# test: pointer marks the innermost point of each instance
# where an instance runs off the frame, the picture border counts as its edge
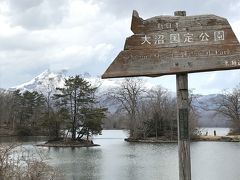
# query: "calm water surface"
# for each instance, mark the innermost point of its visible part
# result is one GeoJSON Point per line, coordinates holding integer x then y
{"type": "Point", "coordinates": [119, 160]}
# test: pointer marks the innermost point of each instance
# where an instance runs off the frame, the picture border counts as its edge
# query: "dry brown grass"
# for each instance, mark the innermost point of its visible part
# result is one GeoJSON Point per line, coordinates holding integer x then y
{"type": "Point", "coordinates": [19, 163]}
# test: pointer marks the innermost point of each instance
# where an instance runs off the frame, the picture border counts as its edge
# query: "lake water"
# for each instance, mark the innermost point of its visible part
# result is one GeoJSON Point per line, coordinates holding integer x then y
{"type": "Point", "coordinates": [116, 159]}
{"type": "Point", "coordinates": [219, 131]}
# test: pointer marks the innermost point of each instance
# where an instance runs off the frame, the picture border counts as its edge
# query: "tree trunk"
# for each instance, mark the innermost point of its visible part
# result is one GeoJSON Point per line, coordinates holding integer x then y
{"type": "Point", "coordinates": [73, 131]}
{"type": "Point", "coordinates": [74, 116]}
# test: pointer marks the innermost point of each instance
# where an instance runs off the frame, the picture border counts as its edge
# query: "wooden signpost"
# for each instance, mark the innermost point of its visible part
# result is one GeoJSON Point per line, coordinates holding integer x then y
{"type": "Point", "coordinates": [178, 45]}
{"type": "Point", "coordinates": [175, 44]}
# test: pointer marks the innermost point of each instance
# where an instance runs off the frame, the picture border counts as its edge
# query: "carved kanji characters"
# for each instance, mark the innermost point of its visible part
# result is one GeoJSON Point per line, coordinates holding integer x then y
{"type": "Point", "coordinates": [146, 39]}
{"type": "Point", "coordinates": [174, 38]}
{"type": "Point", "coordinates": [204, 37]}
{"type": "Point", "coordinates": [218, 35]}
{"type": "Point", "coordinates": [188, 38]}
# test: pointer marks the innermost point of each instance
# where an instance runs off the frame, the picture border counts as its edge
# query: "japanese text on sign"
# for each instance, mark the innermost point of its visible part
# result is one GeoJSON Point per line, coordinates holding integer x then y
{"type": "Point", "coordinates": [158, 39]}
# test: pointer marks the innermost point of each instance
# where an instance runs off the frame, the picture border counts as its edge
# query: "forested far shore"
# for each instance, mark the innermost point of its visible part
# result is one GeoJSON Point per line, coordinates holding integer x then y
{"type": "Point", "coordinates": [81, 110]}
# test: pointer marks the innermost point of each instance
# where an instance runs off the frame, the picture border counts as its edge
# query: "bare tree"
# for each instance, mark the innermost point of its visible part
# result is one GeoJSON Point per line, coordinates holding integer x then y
{"type": "Point", "coordinates": [229, 106]}
{"type": "Point", "coordinates": [158, 113]}
{"type": "Point", "coordinates": [163, 108]}
{"type": "Point", "coordinates": [193, 114]}
{"type": "Point", "coordinates": [128, 96]}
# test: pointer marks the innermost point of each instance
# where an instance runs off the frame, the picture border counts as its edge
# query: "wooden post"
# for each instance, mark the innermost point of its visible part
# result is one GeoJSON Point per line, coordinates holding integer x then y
{"type": "Point", "coordinates": [183, 124]}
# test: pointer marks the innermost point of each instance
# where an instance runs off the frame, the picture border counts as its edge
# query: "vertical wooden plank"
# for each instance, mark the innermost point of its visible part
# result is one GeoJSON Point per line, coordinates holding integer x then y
{"type": "Point", "coordinates": [183, 127]}
{"type": "Point", "coordinates": [183, 124]}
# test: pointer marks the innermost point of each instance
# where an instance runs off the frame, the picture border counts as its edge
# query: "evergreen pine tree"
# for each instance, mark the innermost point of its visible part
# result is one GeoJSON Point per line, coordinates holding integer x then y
{"type": "Point", "coordinates": [78, 98]}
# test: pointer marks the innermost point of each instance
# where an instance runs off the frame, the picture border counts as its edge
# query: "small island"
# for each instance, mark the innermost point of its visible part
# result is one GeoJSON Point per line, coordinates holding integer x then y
{"type": "Point", "coordinates": [68, 142]}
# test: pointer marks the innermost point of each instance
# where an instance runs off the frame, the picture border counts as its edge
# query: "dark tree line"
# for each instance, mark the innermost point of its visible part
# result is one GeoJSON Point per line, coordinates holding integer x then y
{"type": "Point", "coordinates": [76, 109]}
{"type": "Point", "coordinates": [21, 110]}
{"type": "Point", "coordinates": [73, 109]}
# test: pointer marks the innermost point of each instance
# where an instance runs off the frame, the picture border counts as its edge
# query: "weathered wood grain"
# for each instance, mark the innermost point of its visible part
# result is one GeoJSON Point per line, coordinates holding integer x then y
{"type": "Point", "coordinates": [165, 61]}
{"type": "Point", "coordinates": [183, 122]}
{"type": "Point", "coordinates": [178, 45]}
{"type": "Point", "coordinates": [202, 30]}
{"type": "Point", "coordinates": [165, 45]}
{"type": "Point", "coordinates": [183, 127]}
{"type": "Point", "coordinates": [135, 41]}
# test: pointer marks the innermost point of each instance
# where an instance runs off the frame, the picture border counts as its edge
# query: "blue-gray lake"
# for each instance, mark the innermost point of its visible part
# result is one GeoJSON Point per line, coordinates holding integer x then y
{"type": "Point", "coordinates": [116, 159]}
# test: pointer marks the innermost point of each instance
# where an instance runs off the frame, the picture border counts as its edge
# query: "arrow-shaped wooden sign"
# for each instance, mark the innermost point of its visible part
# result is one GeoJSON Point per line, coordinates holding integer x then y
{"type": "Point", "coordinates": [165, 45]}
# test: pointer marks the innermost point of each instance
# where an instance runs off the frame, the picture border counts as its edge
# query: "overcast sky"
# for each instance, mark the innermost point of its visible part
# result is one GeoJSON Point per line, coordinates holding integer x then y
{"type": "Point", "coordinates": [85, 36]}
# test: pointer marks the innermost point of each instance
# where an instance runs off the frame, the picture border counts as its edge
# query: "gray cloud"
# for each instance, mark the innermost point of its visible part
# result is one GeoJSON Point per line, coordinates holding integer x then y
{"type": "Point", "coordinates": [23, 5]}
{"type": "Point", "coordinates": [25, 42]}
{"type": "Point", "coordinates": [151, 8]}
{"type": "Point", "coordinates": [86, 35]}
{"type": "Point", "coordinates": [37, 14]}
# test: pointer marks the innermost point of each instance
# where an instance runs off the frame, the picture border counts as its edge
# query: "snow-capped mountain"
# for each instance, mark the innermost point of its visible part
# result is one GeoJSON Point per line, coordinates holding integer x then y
{"type": "Point", "coordinates": [44, 82]}
{"type": "Point", "coordinates": [49, 80]}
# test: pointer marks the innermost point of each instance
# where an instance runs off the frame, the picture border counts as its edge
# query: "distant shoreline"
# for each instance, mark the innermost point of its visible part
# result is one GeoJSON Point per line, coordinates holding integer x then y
{"type": "Point", "coordinates": [228, 138]}
{"type": "Point", "coordinates": [235, 138]}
